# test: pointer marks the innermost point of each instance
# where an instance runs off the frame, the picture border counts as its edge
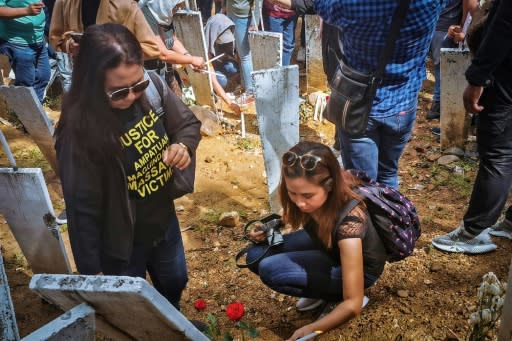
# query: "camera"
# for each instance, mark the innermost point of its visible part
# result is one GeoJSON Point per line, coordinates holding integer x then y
{"type": "Point", "coordinates": [271, 226]}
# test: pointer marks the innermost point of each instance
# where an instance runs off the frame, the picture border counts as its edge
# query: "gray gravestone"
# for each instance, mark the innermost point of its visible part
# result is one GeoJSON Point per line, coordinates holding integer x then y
{"type": "Point", "coordinates": [277, 107]}
{"type": "Point", "coordinates": [23, 101]}
{"type": "Point", "coordinates": [316, 78]}
{"type": "Point", "coordinates": [127, 308]}
{"type": "Point", "coordinates": [454, 125]}
{"type": "Point", "coordinates": [8, 327]}
{"type": "Point", "coordinates": [29, 213]}
{"type": "Point", "coordinates": [266, 49]}
{"type": "Point", "coordinates": [77, 324]}
{"type": "Point", "coordinates": [189, 29]}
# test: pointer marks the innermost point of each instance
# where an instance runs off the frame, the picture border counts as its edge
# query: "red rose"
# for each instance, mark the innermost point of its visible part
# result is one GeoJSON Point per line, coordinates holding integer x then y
{"type": "Point", "coordinates": [200, 304]}
{"type": "Point", "coordinates": [235, 311]}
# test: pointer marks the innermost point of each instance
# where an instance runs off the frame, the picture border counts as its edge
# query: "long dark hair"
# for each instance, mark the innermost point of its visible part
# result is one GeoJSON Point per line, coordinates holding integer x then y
{"type": "Point", "coordinates": [87, 119]}
{"type": "Point", "coordinates": [338, 183]}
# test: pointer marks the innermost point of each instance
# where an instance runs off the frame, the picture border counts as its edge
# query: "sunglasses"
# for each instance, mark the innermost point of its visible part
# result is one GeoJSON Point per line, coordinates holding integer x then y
{"type": "Point", "coordinates": [308, 162]}
{"type": "Point", "coordinates": [122, 93]}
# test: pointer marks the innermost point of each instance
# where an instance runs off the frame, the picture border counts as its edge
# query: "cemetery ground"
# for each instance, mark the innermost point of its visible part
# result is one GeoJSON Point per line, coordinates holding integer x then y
{"type": "Point", "coordinates": [428, 296]}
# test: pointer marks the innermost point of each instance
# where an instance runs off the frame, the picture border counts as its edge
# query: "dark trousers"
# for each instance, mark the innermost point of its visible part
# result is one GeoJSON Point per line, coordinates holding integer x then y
{"type": "Point", "coordinates": [164, 261]}
{"type": "Point", "coordinates": [494, 178]}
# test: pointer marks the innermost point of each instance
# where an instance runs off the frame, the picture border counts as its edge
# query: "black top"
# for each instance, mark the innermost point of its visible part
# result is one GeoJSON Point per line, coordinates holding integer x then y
{"type": "Point", "coordinates": [89, 12]}
{"type": "Point", "coordinates": [144, 139]}
{"type": "Point", "coordinates": [451, 15]}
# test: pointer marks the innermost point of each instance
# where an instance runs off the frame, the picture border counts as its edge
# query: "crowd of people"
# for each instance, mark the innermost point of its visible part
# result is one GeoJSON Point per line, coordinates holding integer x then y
{"type": "Point", "coordinates": [124, 133]}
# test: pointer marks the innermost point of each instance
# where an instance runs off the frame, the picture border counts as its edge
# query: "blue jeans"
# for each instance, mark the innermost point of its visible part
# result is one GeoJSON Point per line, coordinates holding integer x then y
{"type": "Point", "coordinates": [439, 40]}
{"type": "Point", "coordinates": [377, 151]}
{"type": "Point", "coordinates": [64, 69]}
{"type": "Point", "coordinates": [243, 49]}
{"type": "Point", "coordinates": [225, 70]}
{"type": "Point", "coordinates": [286, 26]}
{"type": "Point", "coordinates": [30, 64]}
{"type": "Point", "coordinates": [165, 263]}
{"type": "Point", "coordinates": [300, 267]}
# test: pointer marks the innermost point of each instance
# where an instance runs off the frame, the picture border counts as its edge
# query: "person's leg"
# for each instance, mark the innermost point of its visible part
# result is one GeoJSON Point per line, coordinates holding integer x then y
{"type": "Point", "coordinates": [296, 241]}
{"type": "Point", "coordinates": [361, 152]}
{"type": "Point", "coordinates": [494, 178]}
{"type": "Point", "coordinates": [288, 29]}
{"type": "Point", "coordinates": [394, 133]}
{"type": "Point", "coordinates": [166, 264]}
{"type": "Point", "coordinates": [205, 7]}
{"type": "Point", "coordinates": [64, 69]}
{"type": "Point", "coordinates": [23, 64]}
{"type": "Point", "coordinates": [243, 49]}
{"type": "Point", "coordinates": [42, 70]}
{"type": "Point", "coordinates": [310, 273]}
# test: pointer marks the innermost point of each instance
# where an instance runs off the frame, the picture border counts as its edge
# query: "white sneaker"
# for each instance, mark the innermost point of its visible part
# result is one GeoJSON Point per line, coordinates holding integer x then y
{"type": "Point", "coordinates": [502, 229]}
{"type": "Point", "coordinates": [460, 240]}
{"type": "Point", "coordinates": [306, 304]}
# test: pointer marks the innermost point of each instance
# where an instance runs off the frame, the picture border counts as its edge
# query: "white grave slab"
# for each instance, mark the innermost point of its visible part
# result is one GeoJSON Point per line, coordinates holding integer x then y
{"type": "Point", "coordinates": [127, 308]}
{"type": "Point", "coordinates": [266, 49]}
{"type": "Point", "coordinates": [316, 78]}
{"type": "Point", "coordinates": [189, 29]}
{"type": "Point", "coordinates": [277, 107]}
{"type": "Point", "coordinates": [23, 101]}
{"type": "Point", "coordinates": [29, 213]}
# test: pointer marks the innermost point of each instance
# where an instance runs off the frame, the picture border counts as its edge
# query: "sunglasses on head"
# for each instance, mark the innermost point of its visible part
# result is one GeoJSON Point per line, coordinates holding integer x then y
{"type": "Point", "coordinates": [308, 162]}
{"type": "Point", "coordinates": [121, 94]}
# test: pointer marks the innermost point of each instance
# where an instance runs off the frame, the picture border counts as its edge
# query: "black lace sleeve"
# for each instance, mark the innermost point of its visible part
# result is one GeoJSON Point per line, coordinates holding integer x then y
{"type": "Point", "coordinates": [353, 226]}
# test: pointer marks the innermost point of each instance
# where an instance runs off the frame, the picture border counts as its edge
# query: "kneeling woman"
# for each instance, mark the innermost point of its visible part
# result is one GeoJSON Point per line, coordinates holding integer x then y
{"type": "Point", "coordinates": [117, 156]}
{"type": "Point", "coordinates": [314, 262]}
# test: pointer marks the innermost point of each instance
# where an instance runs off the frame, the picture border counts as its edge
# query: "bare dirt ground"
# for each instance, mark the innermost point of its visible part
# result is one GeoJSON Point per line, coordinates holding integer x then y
{"type": "Point", "coordinates": [428, 296]}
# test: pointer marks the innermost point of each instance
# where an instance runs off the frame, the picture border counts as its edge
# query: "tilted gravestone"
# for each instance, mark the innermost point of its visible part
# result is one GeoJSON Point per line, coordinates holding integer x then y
{"type": "Point", "coordinates": [29, 213]}
{"type": "Point", "coordinates": [127, 308]}
{"type": "Point", "coordinates": [277, 106]}
{"type": "Point", "coordinates": [266, 49]}
{"type": "Point", "coordinates": [189, 29]}
{"type": "Point", "coordinates": [316, 78]}
{"type": "Point", "coordinates": [8, 326]}
{"type": "Point", "coordinates": [23, 101]}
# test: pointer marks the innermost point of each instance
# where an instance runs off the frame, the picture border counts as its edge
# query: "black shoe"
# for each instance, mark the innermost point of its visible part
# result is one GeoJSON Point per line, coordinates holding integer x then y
{"type": "Point", "coordinates": [436, 131]}
{"type": "Point", "coordinates": [435, 111]}
{"type": "Point", "coordinates": [201, 326]}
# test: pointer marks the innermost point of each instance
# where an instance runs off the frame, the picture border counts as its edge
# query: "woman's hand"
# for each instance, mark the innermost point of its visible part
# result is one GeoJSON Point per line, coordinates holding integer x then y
{"type": "Point", "coordinates": [471, 96]}
{"type": "Point", "coordinates": [235, 107]}
{"type": "Point", "coordinates": [455, 33]}
{"type": "Point", "coordinates": [197, 62]}
{"type": "Point", "coordinates": [301, 332]}
{"type": "Point", "coordinates": [176, 155]}
{"type": "Point", "coordinates": [257, 233]}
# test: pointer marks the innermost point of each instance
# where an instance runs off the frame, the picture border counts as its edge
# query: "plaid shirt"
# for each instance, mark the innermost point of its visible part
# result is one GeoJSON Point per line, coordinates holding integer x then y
{"type": "Point", "coordinates": [365, 25]}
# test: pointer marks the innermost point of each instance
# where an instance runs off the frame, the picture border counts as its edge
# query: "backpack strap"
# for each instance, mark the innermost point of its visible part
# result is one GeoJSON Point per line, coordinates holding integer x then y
{"type": "Point", "coordinates": [343, 214]}
{"type": "Point", "coordinates": [154, 93]}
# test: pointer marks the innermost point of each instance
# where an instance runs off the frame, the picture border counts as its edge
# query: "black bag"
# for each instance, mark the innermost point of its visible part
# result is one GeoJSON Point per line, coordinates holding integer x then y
{"type": "Point", "coordinates": [182, 180]}
{"type": "Point", "coordinates": [353, 92]}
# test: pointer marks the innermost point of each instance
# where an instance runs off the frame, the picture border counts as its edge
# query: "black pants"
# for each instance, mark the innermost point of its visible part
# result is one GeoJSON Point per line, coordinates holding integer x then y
{"type": "Point", "coordinates": [494, 178]}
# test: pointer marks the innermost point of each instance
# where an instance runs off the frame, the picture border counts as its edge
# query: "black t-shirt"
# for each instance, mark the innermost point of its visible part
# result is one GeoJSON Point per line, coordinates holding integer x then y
{"type": "Point", "coordinates": [451, 15]}
{"type": "Point", "coordinates": [144, 139]}
{"type": "Point", "coordinates": [90, 12]}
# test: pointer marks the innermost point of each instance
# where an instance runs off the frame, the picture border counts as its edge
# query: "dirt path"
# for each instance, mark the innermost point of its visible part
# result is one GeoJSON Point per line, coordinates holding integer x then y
{"type": "Point", "coordinates": [437, 290]}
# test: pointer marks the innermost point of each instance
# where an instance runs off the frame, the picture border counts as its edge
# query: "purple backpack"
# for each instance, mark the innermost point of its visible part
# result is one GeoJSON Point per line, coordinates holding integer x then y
{"type": "Point", "coordinates": [393, 215]}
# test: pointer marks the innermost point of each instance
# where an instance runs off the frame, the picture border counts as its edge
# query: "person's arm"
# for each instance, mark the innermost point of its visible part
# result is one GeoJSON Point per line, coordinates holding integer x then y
{"type": "Point", "coordinates": [178, 54]}
{"type": "Point", "coordinates": [140, 28]}
{"type": "Point", "coordinates": [351, 254]}
{"type": "Point", "coordinates": [219, 90]}
{"type": "Point", "coordinates": [299, 6]}
{"type": "Point", "coordinates": [495, 47]}
{"type": "Point", "coordinates": [7, 12]}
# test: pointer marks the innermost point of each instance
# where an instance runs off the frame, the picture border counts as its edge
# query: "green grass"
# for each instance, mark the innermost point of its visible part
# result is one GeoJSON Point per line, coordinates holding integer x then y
{"type": "Point", "coordinates": [32, 158]}
{"type": "Point", "coordinates": [247, 144]}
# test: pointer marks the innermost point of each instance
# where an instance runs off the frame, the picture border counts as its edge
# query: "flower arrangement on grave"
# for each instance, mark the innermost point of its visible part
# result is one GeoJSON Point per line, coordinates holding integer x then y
{"type": "Point", "coordinates": [235, 312]}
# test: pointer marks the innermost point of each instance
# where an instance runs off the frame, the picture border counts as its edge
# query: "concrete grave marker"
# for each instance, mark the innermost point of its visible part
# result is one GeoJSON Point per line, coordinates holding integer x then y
{"type": "Point", "coordinates": [454, 125]}
{"type": "Point", "coordinates": [127, 308]}
{"type": "Point", "coordinates": [29, 213]}
{"type": "Point", "coordinates": [315, 76]}
{"type": "Point", "coordinates": [23, 101]}
{"type": "Point", "coordinates": [277, 107]}
{"type": "Point", "coordinates": [266, 49]}
{"type": "Point", "coordinates": [8, 326]}
{"type": "Point", "coordinates": [77, 324]}
{"type": "Point", "coordinates": [189, 29]}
